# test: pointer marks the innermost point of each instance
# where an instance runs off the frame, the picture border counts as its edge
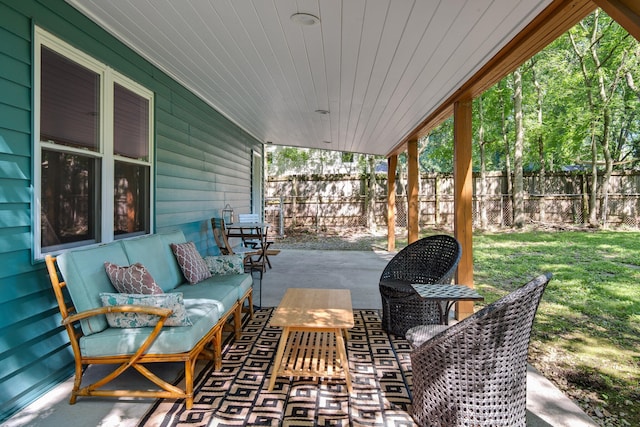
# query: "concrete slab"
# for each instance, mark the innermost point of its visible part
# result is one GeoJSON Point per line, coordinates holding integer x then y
{"type": "Point", "coordinates": [358, 271]}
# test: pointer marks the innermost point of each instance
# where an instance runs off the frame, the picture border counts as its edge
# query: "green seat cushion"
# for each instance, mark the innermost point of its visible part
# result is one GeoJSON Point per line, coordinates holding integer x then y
{"type": "Point", "coordinates": [204, 314]}
{"type": "Point", "coordinates": [241, 282]}
{"type": "Point", "coordinates": [219, 288]}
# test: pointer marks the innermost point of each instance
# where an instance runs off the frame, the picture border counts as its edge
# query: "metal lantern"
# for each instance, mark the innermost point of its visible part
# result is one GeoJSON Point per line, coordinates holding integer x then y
{"type": "Point", "coordinates": [227, 214]}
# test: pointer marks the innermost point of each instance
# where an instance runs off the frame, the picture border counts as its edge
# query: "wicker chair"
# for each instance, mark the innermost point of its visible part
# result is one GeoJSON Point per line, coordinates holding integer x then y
{"type": "Point", "coordinates": [429, 260]}
{"type": "Point", "coordinates": [474, 373]}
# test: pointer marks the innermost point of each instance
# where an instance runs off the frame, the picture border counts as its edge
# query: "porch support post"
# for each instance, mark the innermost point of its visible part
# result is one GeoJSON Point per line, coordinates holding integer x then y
{"type": "Point", "coordinates": [412, 191]}
{"type": "Point", "coordinates": [625, 12]}
{"type": "Point", "coordinates": [391, 202]}
{"type": "Point", "coordinates": [463, 192]}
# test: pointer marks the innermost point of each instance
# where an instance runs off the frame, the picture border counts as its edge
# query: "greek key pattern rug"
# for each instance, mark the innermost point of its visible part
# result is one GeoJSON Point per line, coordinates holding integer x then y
{"type": "Point", "coordinates": [237, 394]}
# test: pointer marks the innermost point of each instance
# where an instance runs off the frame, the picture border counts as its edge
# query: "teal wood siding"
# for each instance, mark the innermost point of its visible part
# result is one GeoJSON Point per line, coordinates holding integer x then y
{"type": "Point", "coordinates": [202, 162]}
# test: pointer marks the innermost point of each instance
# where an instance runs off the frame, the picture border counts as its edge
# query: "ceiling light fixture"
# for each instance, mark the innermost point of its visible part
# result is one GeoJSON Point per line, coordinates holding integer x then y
{"type": "Point", "coordinates": [305, 19]}
{"type": "Point", "coordinates": [323, 112]}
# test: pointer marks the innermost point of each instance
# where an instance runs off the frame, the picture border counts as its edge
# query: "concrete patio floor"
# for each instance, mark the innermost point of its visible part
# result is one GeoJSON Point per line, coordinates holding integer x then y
{"type": "Point", "coordinates": [354, 270]}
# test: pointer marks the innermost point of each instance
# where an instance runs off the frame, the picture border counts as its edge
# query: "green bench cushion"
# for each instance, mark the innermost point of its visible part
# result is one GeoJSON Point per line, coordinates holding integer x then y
{"type": "Point", "coordinates": [155, 254]}
{"type": "Point", "coordinates": [85, 276]}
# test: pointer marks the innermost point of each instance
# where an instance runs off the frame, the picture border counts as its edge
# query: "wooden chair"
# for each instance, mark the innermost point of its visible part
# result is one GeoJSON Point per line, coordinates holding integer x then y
{"type": "Point", "coordinates": [255, 237]}
{"type": "Point", "coordinates": [251, 237]}
{"type": "Point", "coordinates": [253, 258]}
{"type": "Point", "coordinates": [474, 373]}
{"type": "Point", "coordinates": [248, 217]}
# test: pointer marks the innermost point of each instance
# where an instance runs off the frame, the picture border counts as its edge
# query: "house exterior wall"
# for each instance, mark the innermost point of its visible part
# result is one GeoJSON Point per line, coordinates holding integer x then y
{"type": "Point", "coordinates": [202, 162]}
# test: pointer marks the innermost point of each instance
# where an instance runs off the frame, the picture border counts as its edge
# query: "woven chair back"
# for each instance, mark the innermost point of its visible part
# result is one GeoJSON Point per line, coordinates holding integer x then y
{"type": "Point", "coordinates": [480, 362]}
{"type": "Point", "coordinates": [432, 259]}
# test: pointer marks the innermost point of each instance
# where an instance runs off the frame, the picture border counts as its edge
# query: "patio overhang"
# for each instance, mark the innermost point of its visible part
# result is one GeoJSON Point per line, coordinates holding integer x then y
{"type": "Point", "coordinates": [368, 77]}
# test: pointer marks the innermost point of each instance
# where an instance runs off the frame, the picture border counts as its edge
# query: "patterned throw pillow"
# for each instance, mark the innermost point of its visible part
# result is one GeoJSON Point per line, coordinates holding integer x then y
{"type": "Point", "coordinates": [192, 264]}
{"type": "Point", "coordinates": [174, 301]}
{"type": "Point", "coordinates": [134, 279]}
{"type": "Point", "coordinates": [225, 264]}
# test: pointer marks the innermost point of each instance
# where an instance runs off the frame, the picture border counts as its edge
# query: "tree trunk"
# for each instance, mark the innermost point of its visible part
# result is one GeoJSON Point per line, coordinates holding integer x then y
{"type": "Point", "coordinates": [484, 223]}
{"type": "Point", "coordinates": [542, 181]}
{"type": "Point", "coordinates": [507, 148]}
{"type": "Point", "coordinates": [605, 98]}
{"type": "Point", "coordinates": [371, 198]}
{"type": "Point", "coordinates": [600, 113]}
{"type": "Point", "coordinates": [518, 181]}
{"type": "Point", "coordinates": [593, 195]}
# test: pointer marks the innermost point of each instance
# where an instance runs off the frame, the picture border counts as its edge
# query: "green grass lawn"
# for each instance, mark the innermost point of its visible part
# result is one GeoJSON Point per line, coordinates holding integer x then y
{"type": "Point", "coordinates": [586, 336]}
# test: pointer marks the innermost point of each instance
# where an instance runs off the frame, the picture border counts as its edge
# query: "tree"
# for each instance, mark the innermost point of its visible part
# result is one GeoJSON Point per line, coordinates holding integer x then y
{"type": "Point", "coordinates": [483, 168]}
{"type": "Point", "coordinates": [436, 149]}
{"type": "Point", "coordinates": [600, 48]}
{"type": "Point", "coordinates": [371, 194]}
{"type": "Point", "coordinates": [518, 178]}
{"type": "Point", "coordinates": [283, 159]}
{"type": "Point", "coordinates": [504, 132]}
{"type": "Point", "coordinates": [540, 140]}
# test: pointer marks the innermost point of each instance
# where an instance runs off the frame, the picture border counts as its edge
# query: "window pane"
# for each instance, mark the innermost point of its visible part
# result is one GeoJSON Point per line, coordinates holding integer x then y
{"type": "Point", "coordinates": [130, 124]}
{"type": "Point", "coordinates": [131, 200]}
{"type": "Point", "coordinates": [69, 102]}
{"type": "Point", "coordinates": [68, 199]}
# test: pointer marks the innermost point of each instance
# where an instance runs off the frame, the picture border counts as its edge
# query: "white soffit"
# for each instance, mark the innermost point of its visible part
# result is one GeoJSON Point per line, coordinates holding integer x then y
{"type": "Point", "coordinates": [379, 67]}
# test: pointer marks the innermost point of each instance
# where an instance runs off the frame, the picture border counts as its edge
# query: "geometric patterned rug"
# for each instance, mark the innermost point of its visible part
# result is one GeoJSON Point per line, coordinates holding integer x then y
{"type": "Point", "coordinates": [237, 394]}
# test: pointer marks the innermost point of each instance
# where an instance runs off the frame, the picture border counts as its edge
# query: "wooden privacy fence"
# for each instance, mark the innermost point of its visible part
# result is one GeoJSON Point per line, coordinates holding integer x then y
{"type": "Point", "coordinates": [336, 201]}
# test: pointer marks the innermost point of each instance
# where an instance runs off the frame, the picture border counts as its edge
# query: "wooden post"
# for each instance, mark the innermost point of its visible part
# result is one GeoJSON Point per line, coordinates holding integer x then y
{"type": "Point", "coordinates": [391, 202]}
{"type": "Point", "coordinates": [625, 12]}
{"type": "Point", "coordinates": [412, 191]}
{"type": "Point", "coordinates": [463, 192]}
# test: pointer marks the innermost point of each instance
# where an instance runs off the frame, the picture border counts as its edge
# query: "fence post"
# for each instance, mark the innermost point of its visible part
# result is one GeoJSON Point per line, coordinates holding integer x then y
{"type": "Point", "coordinates": [585, 197]}
{"type": "Point", "coordinates": [281, 225]}
{"type": "Point", "coordinates": [294, 202]}
{"type": "Point", "coordinates": [436, 200]}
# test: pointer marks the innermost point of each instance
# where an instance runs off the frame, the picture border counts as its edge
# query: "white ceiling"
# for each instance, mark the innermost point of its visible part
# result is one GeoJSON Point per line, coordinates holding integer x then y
{"type": "Point", "coordinates": [378, 66]}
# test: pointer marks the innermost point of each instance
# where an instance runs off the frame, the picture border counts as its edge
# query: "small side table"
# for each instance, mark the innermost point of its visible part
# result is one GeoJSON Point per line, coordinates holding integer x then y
{"type": "Point", "coordinates": [447, 296]}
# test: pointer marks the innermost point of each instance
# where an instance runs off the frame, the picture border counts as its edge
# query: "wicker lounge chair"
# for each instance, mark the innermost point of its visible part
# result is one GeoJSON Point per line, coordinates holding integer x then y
{"type": "Point", "coordinates": [429, 260]}
{"type": "Point", "coordinates": [474, 373]}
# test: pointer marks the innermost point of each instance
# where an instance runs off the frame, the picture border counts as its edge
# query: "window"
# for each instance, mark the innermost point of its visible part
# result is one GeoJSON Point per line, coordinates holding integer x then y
{"type": "Point", "coordinates": [93, 151]}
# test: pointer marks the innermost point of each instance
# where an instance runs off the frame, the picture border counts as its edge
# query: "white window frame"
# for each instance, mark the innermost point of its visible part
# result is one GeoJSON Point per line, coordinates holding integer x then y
{"type": "Point", "coordinates": [105, 154]}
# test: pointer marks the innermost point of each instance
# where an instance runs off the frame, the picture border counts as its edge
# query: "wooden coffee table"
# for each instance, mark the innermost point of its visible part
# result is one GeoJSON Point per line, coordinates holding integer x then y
{"type": "Point", "coordinates": [313, 322]}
